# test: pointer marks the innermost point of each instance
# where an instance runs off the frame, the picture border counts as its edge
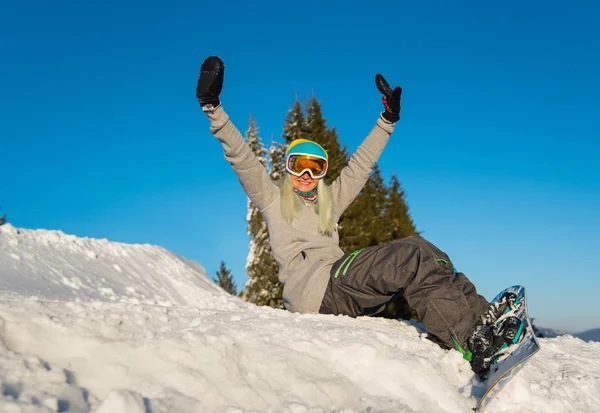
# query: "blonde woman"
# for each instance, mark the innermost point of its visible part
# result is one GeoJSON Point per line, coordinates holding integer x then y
{"type": "Point", "coordinates": [302, 213]}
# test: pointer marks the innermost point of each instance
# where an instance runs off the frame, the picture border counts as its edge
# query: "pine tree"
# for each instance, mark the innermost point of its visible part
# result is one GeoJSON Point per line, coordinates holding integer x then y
{"type": "Point", "coordinates": [363, 224]}
{"type": "Point", "coordinates": [263, 286]}
{"type": "Point", "coordinates": [254, 217]}
{"type": "Point", "coordinates": [255, 142]}
{"type": "Point", "coordinates": [317, 130]}
{"type": "Point", "coordinates": [225, 280]}
{"type": "Point", "coordinates": [396, 216]}
{"type": "Point", "coordinates": [295, 123]}
{"type": "Point", "coordinates": [277, 156]}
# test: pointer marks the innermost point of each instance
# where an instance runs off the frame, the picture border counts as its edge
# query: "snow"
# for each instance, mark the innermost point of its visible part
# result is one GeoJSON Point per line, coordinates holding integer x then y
{"type": "Point", "coordinates": [90, 325]}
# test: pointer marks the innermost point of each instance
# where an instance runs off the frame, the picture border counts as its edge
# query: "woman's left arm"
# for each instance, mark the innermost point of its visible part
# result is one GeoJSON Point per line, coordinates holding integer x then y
{"type": "Point", "coordinates": [354, 176]}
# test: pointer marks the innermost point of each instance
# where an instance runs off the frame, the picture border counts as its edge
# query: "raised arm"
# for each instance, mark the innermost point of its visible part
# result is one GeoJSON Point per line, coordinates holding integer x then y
{"type": "Point", "coordinates": [257, 184]}
{"type": "Point", "coordinates": [354, 175]}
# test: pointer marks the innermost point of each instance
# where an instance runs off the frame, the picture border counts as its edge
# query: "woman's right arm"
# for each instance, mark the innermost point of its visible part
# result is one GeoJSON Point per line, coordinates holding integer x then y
{"type": "Point", "coordinates": [257, 184]}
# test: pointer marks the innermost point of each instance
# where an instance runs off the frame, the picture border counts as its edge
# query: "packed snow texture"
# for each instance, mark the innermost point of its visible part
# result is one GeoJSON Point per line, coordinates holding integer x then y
{"type": "Point", "coordinates": [90, 325]}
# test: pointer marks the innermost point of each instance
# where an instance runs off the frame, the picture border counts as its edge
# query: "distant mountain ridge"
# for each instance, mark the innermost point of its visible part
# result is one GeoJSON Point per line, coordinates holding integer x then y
{"type": "Point", "coordinates": [548, 332]}
{"type": "Point", "coordinates": [589, 335]}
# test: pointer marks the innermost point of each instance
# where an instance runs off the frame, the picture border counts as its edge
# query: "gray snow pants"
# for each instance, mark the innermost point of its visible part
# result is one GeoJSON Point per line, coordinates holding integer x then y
{"type": "Point", "coordinates": [363, 282]}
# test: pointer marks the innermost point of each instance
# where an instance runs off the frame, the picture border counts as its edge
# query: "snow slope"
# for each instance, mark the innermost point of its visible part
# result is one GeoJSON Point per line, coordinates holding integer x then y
{"type": "Point", "coordinates": [90, 325]}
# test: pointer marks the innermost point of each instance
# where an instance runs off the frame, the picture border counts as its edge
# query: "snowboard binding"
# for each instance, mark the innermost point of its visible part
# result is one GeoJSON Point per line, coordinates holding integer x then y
{"type": "Point", "coordinates": [500, 329]}
{"type": "Point", "coordinates": [503, 307]}
{"type": "Point", "coordinates": [508, 332]}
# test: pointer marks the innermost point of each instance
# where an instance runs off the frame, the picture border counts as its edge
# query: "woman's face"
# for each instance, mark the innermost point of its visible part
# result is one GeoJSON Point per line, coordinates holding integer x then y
{"type": "Point", "coordinates": [304, 183]}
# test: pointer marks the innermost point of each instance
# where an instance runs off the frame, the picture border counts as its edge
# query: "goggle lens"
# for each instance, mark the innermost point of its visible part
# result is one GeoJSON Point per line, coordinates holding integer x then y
{"type": "Point", "coordinates": [299, 164]}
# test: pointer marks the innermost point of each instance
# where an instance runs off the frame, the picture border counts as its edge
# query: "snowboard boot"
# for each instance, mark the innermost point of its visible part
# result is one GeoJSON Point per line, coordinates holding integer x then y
{"type": "Point", "coordinates": [488, 342]}
{"type": "Point", "coordinates": [497, 309]}
{"type": "Point", "coordinates": [480, 343]}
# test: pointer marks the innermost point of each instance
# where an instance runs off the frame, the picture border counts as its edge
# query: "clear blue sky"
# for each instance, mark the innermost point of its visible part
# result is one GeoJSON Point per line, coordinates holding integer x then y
{"type": "Point", "coordinates": [497, 149]}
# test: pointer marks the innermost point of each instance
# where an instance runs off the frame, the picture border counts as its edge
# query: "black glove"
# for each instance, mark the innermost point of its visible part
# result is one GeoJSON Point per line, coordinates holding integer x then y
{"type": "Point", "coordinates": [210, 82]}
{"type": "Point", "coordinates": [390, 99]}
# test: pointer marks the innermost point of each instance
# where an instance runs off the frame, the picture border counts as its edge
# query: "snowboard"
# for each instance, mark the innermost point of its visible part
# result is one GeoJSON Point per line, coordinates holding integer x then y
{"type": "Point", "coordinates": [511, 357]}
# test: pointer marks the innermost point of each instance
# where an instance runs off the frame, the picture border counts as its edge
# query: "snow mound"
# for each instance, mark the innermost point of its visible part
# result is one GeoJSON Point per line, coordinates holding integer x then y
{"type": "Point", "coordinates": [95, 326]}
{"type": "Point", "coordinates": [57, 266]}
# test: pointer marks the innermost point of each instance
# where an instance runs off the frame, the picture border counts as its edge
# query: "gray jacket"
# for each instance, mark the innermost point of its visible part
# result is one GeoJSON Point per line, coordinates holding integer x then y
{"type": "Point", "coordinates": [305, 257]}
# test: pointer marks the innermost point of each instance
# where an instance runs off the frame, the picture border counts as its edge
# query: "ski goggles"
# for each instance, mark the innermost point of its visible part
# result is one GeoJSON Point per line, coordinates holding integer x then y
{"type": "Point", "coordinates": [299, 164]}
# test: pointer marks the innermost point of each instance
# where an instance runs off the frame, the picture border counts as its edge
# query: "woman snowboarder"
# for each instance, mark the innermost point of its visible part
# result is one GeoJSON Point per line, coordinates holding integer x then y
{"type": "Point", "coordinates": [302, 213]}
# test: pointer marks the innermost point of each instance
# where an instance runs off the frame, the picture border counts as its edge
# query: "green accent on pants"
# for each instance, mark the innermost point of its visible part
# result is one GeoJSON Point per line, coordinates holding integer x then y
{"type": "Point", "coordinates": [347, 263]}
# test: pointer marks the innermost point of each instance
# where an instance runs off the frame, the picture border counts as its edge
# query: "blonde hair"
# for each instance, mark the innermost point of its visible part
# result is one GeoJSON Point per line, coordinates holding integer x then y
{"type": "Point", "coordinates": [291, 205]}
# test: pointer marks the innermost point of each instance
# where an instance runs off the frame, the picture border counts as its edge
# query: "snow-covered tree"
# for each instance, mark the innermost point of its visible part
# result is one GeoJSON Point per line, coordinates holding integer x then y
{"type": "Point", "coordinates": [263, 286]}
{"type": "Point", "coordinates": [277, 157]}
